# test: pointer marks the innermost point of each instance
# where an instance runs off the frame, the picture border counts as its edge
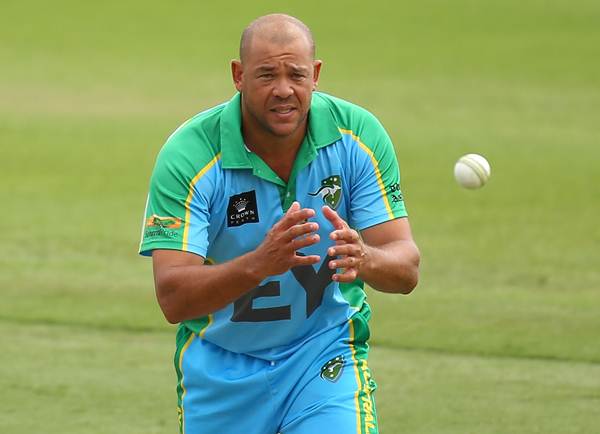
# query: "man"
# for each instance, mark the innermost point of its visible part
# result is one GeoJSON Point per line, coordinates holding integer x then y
{"type": "Point", "coordinates": [265, 216]}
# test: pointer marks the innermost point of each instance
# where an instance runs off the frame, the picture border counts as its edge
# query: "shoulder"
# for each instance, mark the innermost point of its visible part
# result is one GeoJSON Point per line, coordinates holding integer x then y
{"type": "Point", "coordinates": [194, 144]}
{"type": "Point", "coordinates": [199, 134]}
{"type": "Point", "coordinates": [362, 133]}
{"type": "Point", "coordinates": [348, 116]}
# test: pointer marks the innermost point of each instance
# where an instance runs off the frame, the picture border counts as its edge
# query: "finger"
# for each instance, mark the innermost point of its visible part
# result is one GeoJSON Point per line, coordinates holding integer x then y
{"type": "Point", "coordinates": [295, 206]}
{"type": "Point", "coordinates": [349, 275]}
{"type": "Point", "coordinates": [345, 263]}
{"type": "Point", "coordinates": [299, 230]}
{"type": "Point", "coordinates": [283, 221]}
{"type": "Point", "coordinates": [334, 218]}
{"type": "Point", "coordinates": [348, 235]}
{"type": "Point", "coordinates": [300, 243]}
{"type": "Point", "coordinates": [344, 249]}
{"type": "Point", "coordinates": [305, 260]}
{"type": "Point", "coordinates": [294, 217]}
{"type": "Point", "coordinates": [301, 215]}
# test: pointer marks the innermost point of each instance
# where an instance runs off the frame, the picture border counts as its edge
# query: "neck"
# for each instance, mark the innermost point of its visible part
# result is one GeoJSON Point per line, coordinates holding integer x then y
{"type": "Point", "coordinates": [265, 144]}
{"type": "Point", "coordinates": [279, 155]}
{"type": "Point", "coordinates": [278, 152]}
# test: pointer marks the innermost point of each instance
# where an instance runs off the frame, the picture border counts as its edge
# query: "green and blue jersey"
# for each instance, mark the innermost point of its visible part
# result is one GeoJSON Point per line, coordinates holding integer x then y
{"type": "Point", "coordinates": [211, 196]}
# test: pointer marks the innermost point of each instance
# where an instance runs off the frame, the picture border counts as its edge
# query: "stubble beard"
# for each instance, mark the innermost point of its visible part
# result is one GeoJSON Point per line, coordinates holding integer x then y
{"type": "Point", "coordinates": [265, 126]}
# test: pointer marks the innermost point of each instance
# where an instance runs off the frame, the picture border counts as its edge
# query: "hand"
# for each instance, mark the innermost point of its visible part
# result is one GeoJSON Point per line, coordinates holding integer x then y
{"type": "Point", "coordinates": [349, 248]}
{"type": "Point", "coordinates": [277, 252]}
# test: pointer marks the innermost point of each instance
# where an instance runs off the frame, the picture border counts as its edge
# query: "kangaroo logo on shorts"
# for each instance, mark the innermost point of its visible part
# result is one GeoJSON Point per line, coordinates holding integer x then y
{"type": "Point", "coordinates": [332, 369]}
{"type": "Point", "coordinates": [330, 191]}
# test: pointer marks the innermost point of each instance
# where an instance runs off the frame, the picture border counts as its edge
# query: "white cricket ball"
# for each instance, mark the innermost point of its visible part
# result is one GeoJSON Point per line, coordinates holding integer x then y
{"type": "Point", "coordinates": [472, 171]}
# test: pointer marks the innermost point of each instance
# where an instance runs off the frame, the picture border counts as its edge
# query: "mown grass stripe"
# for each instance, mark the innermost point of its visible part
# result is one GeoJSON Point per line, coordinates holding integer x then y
{"type": "Point", "coordinates": [135, 329]}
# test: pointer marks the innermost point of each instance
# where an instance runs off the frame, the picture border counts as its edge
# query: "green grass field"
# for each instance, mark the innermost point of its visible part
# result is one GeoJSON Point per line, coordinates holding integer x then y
{"type": "Point", "coordinates": [501, 336]}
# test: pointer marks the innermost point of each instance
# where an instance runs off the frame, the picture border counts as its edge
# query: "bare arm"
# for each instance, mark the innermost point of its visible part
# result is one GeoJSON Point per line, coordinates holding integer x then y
{"type": "Point", "coordinates": [386, 257]}
{"type": "Point", "coordinates": [186, 288]}
{"type": "Point", "coordinates": [392, 257]}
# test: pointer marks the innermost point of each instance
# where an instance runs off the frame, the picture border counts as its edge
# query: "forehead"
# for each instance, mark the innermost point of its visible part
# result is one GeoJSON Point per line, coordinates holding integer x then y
{"type": "Point", "coordinates": [264, 50]}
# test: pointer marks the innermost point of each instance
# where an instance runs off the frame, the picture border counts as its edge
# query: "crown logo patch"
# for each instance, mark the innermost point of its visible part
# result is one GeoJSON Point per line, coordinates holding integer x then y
{"type": "Point", "coordinates": [242, 209]}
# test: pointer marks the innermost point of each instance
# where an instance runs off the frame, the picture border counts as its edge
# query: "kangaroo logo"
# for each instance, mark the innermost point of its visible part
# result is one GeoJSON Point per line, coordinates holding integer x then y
{"type": "Point", "coordinates": [332, 369]}
{"type": "Point", "coordinates": [330, 191]}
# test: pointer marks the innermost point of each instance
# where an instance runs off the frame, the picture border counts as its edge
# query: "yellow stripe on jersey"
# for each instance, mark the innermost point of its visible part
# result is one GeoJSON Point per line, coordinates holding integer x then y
{"type": "Point", "coordinates": [375, 167]}
{"type": "Point", "coordinates": [203, 331]}
{"type": "Point", "coordinates": [188, 210]}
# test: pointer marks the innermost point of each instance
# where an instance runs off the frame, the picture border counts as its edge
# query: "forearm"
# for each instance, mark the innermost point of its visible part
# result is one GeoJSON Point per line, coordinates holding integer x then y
{"type": "Point", "coordinates": [191, 291]}
{"type": "Point", "coordinates": [392, 267]}
{"type": "Point", "coordinates": [186, 288]}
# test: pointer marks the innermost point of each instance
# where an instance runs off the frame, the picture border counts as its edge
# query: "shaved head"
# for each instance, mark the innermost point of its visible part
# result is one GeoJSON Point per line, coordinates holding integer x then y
{"type": "Point", "coordinates": [276, 75]}
{"type": "Point", "coordinates": [279, 29]}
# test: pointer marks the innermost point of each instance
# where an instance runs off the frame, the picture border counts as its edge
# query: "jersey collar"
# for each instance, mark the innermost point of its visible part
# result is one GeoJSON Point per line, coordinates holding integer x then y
{"type": "Point", "coordinates": [322, 131]}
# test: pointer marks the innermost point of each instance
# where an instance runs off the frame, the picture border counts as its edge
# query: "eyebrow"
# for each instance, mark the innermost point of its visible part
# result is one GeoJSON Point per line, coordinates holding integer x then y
{"type": "Point", "coordinates": [265, 68]}
{"type": "Point", "coordinates": [302, 69]}
{"type": "Point", "coordinates": [270, 68]}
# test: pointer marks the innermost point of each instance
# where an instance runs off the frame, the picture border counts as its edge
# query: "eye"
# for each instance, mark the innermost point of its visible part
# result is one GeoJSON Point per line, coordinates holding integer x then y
{"type": "Point", "coordinates": [298, 76]}
{"type": "Point", "coordinates": [266, 76]}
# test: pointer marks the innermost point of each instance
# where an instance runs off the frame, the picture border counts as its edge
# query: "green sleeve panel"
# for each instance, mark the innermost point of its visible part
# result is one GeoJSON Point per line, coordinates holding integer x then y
{"type": "Point", "coordinates": [374, 138]}
{"type": "Point", "coordinates": [180, 163]}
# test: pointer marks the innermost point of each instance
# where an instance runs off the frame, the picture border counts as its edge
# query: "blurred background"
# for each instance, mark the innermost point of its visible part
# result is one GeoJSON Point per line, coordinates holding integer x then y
{"type": "Point", "coordinates": [501, 336]}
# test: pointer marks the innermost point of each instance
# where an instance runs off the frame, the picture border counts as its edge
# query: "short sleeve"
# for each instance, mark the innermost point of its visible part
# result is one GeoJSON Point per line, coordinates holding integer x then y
{"type": "Point", "coordinates": [177, 211]}
{"type": "Point", "coordinates": [375, 193]}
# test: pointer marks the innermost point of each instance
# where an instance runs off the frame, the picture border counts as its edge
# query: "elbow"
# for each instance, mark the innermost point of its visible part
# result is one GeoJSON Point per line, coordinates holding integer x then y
{"type": "Point", "coordinates": [172, 317]}
{"type": "Point", "coordinates": [409, 283]}
{"type": "Point", "coordinates": [401, 284]}
{"type": "Point", "coordinates": [176, 301]}
{"type": "Point", "coordinates": [167, 297]}
{"type": "Point", "coordinates": [409, 278]}
{"type": "Point", "coordinates": [407, 271]}
{"type": "Point", "coordinates": [401, 279]}
{"type": "Point", "coordinates": [169, 309]}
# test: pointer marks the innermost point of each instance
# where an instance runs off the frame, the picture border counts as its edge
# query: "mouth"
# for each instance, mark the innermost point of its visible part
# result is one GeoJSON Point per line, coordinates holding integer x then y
{"type": "Point", "coordinates": [283, 110]}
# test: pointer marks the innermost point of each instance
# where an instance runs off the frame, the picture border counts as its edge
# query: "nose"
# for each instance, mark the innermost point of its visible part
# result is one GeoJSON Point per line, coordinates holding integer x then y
{"type": "Point", "coordinates": [282, 88]}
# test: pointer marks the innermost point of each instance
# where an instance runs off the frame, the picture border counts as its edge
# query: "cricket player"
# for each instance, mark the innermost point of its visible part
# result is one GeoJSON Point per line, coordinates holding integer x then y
{"type": "Point", "coordinates": [265, 218]}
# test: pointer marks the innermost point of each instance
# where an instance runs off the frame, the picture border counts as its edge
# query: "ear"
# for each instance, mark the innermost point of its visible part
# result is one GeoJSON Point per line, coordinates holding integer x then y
{"type": "Point", "coordinates": [316, 72]}
{"type": "Point", "coordinates": [237, 72]}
